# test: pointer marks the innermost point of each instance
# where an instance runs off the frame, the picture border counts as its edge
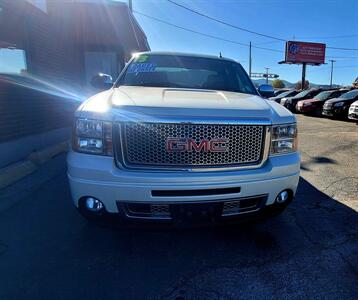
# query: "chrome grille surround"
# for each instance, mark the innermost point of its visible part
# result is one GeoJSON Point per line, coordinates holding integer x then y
{"type": "Point", "coordinates": [142, 145]}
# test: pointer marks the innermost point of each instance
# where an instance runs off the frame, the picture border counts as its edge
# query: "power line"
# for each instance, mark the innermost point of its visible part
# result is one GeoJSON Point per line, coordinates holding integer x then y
{"type": "Point", "coordinates": [245, 29]}
{"type": "Point", "coordinates": [225, 23]}
{"type": "Point", "coordinates": [329, 37]}
{"type": "Point", "coordinates": [339, 48]}
{"type": "Point", "coordinates": [346, 67]}
{"type": "Point", "coordinates": [219, 38]}
{"type": "Point", "coordinates": [204, 34]}
{"type": "Point", "coordinates": [353, 57]}
{"type": "Point", "coordinates": [190, 30]}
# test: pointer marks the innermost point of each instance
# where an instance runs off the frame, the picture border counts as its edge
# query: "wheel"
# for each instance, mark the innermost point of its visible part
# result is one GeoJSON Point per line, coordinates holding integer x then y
{"type": "Point", "coordinates": [318, 111]}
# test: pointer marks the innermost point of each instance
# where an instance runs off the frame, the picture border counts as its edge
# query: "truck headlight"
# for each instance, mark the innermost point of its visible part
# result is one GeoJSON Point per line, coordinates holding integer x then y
{"type": "Point", "coordinates": [92, 136]}
{"type": "Point", "coordinates": [284, 139]}
{"type": "Point", "coordinates": [91, 128]}
{"type": "Point", "coordinates": [339, 104]}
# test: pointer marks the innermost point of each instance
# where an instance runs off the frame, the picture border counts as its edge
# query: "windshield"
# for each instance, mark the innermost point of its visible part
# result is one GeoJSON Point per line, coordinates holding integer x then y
{"type": "Point", "coordinates": [350, 95]}
{"type": "Point", "coordinates": [302, 94]}
{"type": "Point", "coordinates": [323, 95]}
{"type": "Point", "coordinates": [284, 94]}
{"type": "Point", "coordinates": [176, 71]}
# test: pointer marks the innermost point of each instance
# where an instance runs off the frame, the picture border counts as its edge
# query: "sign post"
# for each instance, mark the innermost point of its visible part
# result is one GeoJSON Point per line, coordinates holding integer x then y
{"type": "Point", "coordinates": [303, 78]}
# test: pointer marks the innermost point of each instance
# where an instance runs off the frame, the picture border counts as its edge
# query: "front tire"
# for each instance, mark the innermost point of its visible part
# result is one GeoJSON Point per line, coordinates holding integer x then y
{"type": "Point", "coordinates": [318, 112]}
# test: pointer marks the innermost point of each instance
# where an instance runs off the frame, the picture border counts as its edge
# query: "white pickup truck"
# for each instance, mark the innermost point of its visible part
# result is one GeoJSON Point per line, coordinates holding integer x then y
{"type": "Point", "coordinates": [182, 137]}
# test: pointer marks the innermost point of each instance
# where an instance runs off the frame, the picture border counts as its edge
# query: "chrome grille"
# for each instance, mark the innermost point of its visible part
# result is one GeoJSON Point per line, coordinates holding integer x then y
{"type": "Point", "coordinates": [231, 207]}
{"type": "Point", "coordinates": [243, 205]}
{"type": "Point", "coordinates": [144, 144]}
{"type": "Point", "coordinates": [160, 209]}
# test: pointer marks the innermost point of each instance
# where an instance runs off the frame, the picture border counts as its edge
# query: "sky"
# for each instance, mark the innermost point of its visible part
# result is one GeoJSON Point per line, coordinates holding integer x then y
{"type": "Point", "coordinates": [12, 61]}
{"type": "Point", "coordinates": [334, 22]}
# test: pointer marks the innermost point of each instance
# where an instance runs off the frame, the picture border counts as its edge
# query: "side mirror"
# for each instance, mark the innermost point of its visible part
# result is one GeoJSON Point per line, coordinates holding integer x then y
{"type": "Point", "coordinates": [102, 81]}
{"type": "Point", "coordinates": [266, 90]}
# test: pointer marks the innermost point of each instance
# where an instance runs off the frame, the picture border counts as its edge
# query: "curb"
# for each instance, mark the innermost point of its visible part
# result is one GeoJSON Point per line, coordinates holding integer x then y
{"type": "Point", "coordinates": [19, 170]}
{"type": "Point", "coordinates": [42, 156]}
{"type": "Point", "coordinates": [15, 172]}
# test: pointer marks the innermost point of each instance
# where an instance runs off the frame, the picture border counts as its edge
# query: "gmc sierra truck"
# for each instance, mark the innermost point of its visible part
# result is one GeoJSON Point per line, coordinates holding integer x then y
{"type": "Point", "coordinates": [182, 137]}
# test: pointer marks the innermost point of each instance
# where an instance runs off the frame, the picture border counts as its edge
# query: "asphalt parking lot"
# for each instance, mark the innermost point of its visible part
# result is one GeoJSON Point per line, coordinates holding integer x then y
{"type": "Point", "coordinates": [48, 251]}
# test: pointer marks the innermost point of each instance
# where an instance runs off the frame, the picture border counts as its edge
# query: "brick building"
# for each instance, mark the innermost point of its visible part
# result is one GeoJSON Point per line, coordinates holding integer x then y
{"type": "Point", "coordinates": [49, 52]}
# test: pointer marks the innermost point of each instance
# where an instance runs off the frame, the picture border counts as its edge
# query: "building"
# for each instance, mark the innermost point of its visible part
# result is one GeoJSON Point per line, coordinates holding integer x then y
{"type": "Point", "coordinates": [49, 52]}
{"type": "Point", "coordinates": [355, 83]}
{"type": "Point", "coordinates": [70, 41]}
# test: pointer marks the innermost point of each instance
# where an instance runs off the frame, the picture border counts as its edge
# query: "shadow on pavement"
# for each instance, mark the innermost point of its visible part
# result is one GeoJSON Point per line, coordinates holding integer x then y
{"type": "Point", "coordinates": [50, 251]}
{"type": "Point", "coordinates": [316, 160]}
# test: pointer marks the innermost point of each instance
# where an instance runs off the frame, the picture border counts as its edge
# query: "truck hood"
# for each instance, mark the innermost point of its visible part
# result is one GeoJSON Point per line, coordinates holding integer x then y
{"type": "Point", "coordinates": [186, 98]}
{"type": "Point", "coordinates": [141, 102]}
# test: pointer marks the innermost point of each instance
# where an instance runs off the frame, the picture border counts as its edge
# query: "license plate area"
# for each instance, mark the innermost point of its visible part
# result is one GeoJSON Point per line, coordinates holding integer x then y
{"type": "Point", "coordinates": [197, 211]}
{"type": "Point", "coordinates": [193, 211]}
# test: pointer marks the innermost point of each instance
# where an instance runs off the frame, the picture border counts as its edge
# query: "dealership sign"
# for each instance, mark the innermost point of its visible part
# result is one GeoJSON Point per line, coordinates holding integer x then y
{"type": "Point", "coordinates": [302, 52]}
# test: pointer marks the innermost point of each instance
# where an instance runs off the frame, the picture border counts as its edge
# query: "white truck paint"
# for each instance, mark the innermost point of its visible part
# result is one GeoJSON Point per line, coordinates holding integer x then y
{"type": "Point", "coordinates": [106, 179]}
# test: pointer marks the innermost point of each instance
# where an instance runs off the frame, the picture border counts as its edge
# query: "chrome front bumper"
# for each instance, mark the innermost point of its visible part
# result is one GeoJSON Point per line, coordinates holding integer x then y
{"type": "Point", "coordinates": [98, 176]}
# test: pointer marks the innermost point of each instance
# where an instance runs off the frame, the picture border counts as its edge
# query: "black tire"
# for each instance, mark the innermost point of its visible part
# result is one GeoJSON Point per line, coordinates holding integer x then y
{"type": "Point", "coordinates": [318, 112]}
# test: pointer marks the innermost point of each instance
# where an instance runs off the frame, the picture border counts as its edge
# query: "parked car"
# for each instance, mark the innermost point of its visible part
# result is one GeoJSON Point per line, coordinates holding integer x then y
{"type": "Point", "coordinates": [315, 105]}
{"type": "Point", "coordinates": [182, 137]}
{"type": "Point", "coordinates": [280, 91]}
{"type": "Point", "coordinates": [291, 102]}
{"type": "Point", "coordinates": [286, 94]}
{"type": "Point", "coordinates": [266, 90]}
{"type": "Point", "coordinates": [353, 111]}
{"type": "Point", "coordinates": [338, 107]}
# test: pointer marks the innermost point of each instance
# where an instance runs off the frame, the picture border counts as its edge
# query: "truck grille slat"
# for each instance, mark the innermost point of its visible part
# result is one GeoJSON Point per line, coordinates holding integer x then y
{"type": "Point", "coordinates": [144, 144]}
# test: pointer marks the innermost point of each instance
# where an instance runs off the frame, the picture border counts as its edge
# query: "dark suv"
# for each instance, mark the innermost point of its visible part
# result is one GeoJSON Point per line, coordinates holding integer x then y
{"type": "Point", "coordinates": [338, 107]}
{"type": "Point", "coordinates": [291, 102]}
{"type": "Point", "coordinates": [315, 105]}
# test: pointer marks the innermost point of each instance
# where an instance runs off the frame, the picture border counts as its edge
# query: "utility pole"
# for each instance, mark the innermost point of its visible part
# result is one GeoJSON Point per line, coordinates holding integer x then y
{"type": "Point", "coordinates": [130, 5]}
{"type": "Point", "coordinates": [267, 75]}
{"type": "Point", "coordinates": [332, 61]}
{"type": "Point", "coordinates": [303, 78]}
{"type": "Point", "coordinates": [250, 61]}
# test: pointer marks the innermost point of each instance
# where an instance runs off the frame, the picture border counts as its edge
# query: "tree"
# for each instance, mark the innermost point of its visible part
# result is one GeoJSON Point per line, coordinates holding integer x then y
{"type": "Point", "coordinates": [299, 85]}
{"type": "Point", "coordinates": [278, 84]}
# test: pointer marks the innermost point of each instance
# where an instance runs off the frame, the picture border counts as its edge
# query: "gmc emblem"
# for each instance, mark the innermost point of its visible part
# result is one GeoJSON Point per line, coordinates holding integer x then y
{"type": "Point", "coordinates": [186, 144]}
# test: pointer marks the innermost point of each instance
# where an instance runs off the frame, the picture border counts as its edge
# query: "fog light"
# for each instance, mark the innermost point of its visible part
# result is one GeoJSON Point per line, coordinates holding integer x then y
{"type": "Point", "coordinates": [93, 204]}
{"type": "Point", "coordinates": [282, 197]}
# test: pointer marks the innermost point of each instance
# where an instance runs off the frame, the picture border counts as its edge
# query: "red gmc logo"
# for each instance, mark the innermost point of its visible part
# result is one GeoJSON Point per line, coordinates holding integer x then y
{"type": "Point", "coordinates": [186, 144]}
